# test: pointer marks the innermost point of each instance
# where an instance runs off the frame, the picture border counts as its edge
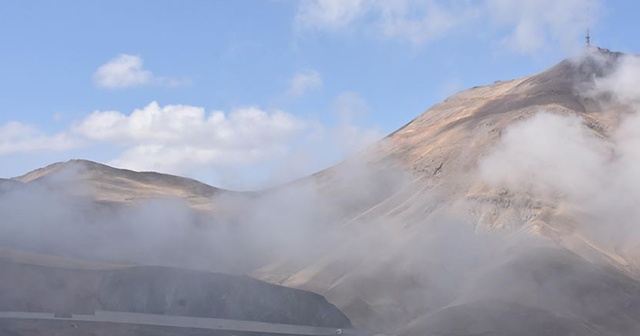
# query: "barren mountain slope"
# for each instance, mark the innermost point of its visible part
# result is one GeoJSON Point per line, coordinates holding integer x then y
{"type": "Point", "coordinates": [104, 183]}
{"type": "Point", "coordinates": [410, 254]}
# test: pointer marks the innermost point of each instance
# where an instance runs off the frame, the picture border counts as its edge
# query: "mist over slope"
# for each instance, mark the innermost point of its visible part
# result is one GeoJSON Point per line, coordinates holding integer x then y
{"type": "Point", "coordinates": [494, 172]}
{"type": "Point", "coordinates": [506, 209]}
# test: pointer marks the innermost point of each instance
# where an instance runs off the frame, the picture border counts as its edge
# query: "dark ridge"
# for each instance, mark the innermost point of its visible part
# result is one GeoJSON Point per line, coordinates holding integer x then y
{"type": "Point", "coordinates": [163, 291]}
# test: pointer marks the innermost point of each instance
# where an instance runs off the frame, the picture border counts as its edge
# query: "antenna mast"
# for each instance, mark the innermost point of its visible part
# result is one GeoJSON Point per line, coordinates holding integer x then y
{"type": "Point", "coordinates": [588, 37]}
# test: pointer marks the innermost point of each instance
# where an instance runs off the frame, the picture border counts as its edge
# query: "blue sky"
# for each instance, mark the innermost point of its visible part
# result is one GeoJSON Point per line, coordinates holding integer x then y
{"type": "Point", "coordinates": [247, 93]}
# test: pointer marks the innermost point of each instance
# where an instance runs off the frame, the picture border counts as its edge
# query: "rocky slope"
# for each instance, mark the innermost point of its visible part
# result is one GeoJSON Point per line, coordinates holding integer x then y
{"type": "Point", "coordinates": [108, 184]}
{"type": "Point", "coordinates": [80, 288]}
{"type": "Point", "coordinates": [432, 230]}
{"type": "Point", "coordinates": [419, 268]}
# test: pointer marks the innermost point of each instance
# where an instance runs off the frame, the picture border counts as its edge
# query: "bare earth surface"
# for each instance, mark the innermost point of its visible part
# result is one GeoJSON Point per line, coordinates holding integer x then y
{"type": "Point", "coordinates": [425, 246]}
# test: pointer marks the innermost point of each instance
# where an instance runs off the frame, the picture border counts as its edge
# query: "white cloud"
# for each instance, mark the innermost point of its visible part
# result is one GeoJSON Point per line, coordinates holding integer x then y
{"type": "Point", "coordinates": [179, 138]}
{"type": "Point", "coordinates": [588, 177]}
{"type": "Point", "coordinates": [415, 21]}
{"type": "Point", "coordinates": [329, 14]}
{"type": "Point", "coordinates": [127, 71]}
{"type": "Point", "coordinates": [530, 25]}
{"type": "Point", "coordinates": [623, 84]}
{"type": "Point", "coordinates": [547, 153]}
{"type": "Point", "coordinates": [190, 141]}
{"type": "Point", "coordinates": [421, 21]}
{"type": "Point", "coordinates": [16, 137]}
{"type": "Point", "coordinates": [303, 82]}
{"type": "Point", "coordinates": [122, 71]}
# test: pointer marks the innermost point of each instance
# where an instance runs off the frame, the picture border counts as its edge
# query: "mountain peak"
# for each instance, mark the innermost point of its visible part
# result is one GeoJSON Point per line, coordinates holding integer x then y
{"type": "Point", "coordinates": [106, 183]}
{"type": "Point", "coordinates": [452, 136]}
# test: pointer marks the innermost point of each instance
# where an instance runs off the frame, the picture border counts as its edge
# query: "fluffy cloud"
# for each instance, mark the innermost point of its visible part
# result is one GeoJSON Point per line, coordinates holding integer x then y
{"type": "Point", "coordinates": [127, 71]}
{"type": "Point", "coordinates": [530, 25]}
{"type": "Point", "coordinates": [623, 84]}
{"type": "Point", "coordinates": [122, 71]}
{"type": "Point", "coordinates": [303, 82]}
{"type": "Point", "coordinates": [16, 137]}
{"type": "Point", "coordinates": [185, 140]}
{"type": "Point", "coordinates": [548, 153]}
{"type": "Point", "coordinates": [245, 146]}
{"type": "Point", "coordinates": [593, 178]}
{"type": "Point", "coordinates": [174, 138]}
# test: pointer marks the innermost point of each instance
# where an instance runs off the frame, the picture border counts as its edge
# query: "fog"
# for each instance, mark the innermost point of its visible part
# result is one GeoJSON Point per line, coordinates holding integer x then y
{"type": "Point", "coordinates": [297, 221]}
{"type": "Point", "coordinates": [589, 170]}
{"type": "Point", "coordinates": [370, 230]}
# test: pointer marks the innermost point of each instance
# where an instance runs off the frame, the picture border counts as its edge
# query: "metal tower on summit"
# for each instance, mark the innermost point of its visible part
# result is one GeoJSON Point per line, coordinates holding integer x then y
{"type": "Point", "coordinates": [588, 36]}
{"type": "Point", "coordinates": [588, 45]}
{"type": "Point", "coordinates": [588, 39]}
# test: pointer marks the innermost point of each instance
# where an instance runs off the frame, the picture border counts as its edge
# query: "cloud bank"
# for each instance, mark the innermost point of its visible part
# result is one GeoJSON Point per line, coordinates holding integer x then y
{"type": "Point", "coordinates": [17, 137]}
{"type": "Point", "coordinates": [187, 140]}
{"type": "Point", "coordinates": [173, 137]}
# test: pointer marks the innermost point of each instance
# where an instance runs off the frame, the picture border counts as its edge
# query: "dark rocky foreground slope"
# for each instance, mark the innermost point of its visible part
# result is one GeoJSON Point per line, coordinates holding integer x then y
{"type": "Point", "coordinates": [159, 290]}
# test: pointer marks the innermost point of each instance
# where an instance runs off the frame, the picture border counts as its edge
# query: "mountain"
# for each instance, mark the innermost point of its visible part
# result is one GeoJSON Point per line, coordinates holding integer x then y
{"type": "Point", "coordinates": [104, 183]}
{"type": "Point", "coordinates": [422, 265]}
{"type": "Point", "coordinates": [507, 209]}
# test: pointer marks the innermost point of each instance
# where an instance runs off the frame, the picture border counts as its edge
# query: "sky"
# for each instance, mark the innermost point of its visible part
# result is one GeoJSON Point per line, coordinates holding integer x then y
{"type": "Point", "coordinates": [246, 94]}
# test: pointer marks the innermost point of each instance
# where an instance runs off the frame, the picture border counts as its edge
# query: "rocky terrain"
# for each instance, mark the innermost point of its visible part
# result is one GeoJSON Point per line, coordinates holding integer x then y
{"type": "Point", "coordinates": [34, 283]}
{"type": "Point", "coordinates": [507, 209]}
{"type": "Point", "coordinates": [452, 243]}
